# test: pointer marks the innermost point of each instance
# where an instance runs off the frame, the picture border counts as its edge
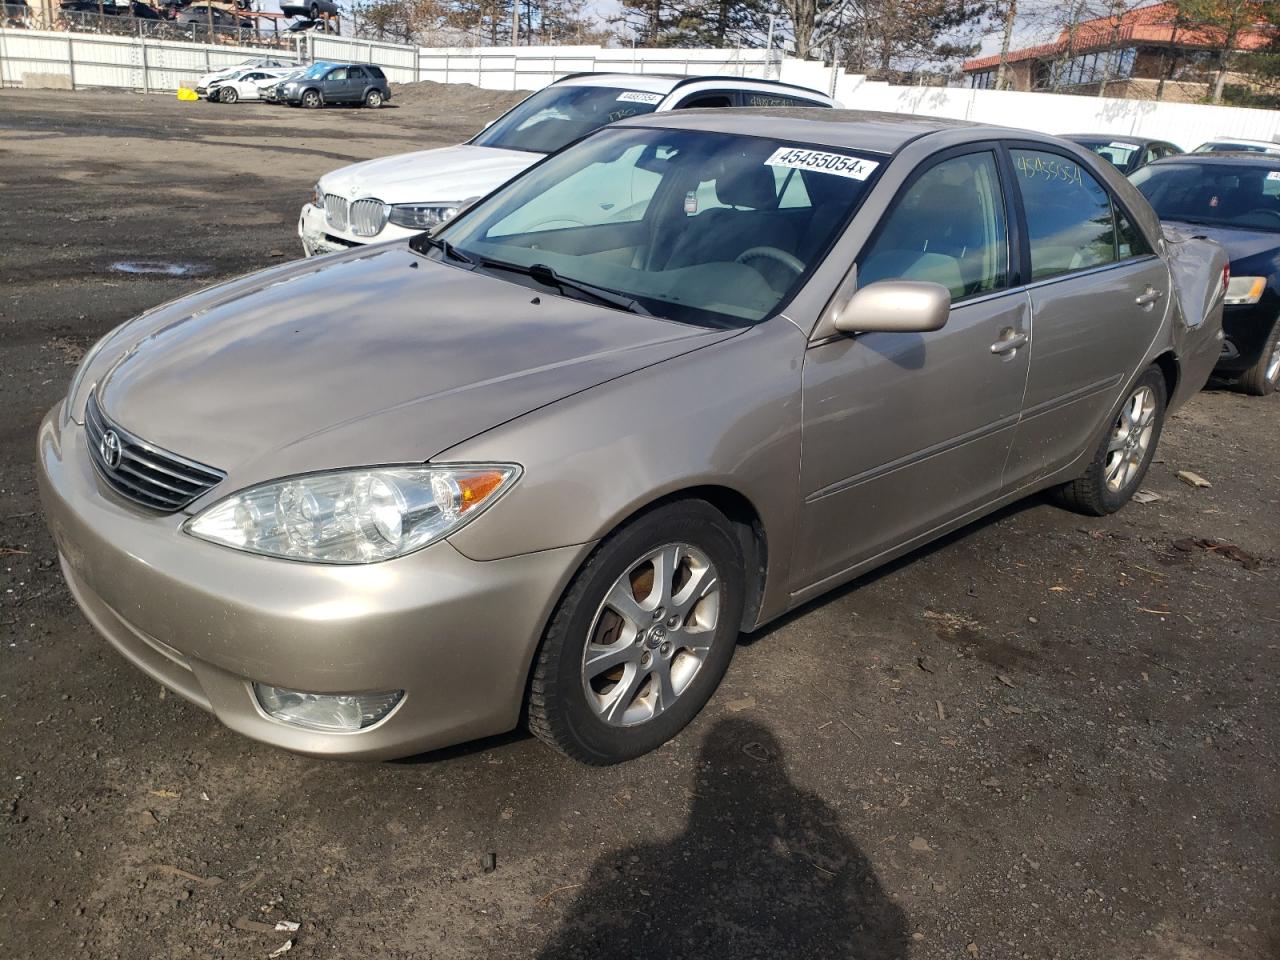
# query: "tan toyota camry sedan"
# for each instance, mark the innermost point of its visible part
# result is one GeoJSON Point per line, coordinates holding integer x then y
{"type": "Point", "coordinates": [548, 463]}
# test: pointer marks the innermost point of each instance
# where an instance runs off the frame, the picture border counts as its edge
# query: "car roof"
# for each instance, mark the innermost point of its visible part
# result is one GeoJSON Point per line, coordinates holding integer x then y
{"type": "Point", "coordinates": [1110, 137]}
{"type": "Point", "coordinates": [1273, 144]}
{"type": "Point", "coordinates": [1222, 159]}
{"type": "Point", "coordinates": [853, 129]}
{"type": "Point", "coordinates": [665, 83]}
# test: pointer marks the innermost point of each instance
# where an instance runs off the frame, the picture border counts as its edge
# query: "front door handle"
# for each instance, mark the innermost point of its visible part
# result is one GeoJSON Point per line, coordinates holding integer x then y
{"type": "Point", "coordinates": [1010, 340]}
{"type": "Point", "coordinates": [1148, 297]}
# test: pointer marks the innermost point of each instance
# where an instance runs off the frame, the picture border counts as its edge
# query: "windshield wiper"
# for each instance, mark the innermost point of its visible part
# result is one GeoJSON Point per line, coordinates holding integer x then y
{"type": "Point", "coordinates": [424, 240]}
{"type": "Point", "coordinates": [548, 276]}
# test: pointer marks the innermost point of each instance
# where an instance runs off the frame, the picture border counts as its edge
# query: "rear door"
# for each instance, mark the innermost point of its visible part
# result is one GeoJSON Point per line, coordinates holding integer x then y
{"type": "Point", "coordinates": [904, 432]}
{"type": "Point", "coordinates": [357, 80]}
{"type": "Point", "coordinates": [1098, 296]}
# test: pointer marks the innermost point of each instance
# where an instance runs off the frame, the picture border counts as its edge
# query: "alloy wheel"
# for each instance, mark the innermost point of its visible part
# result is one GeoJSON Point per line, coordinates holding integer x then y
{"type": "Point", "coordinates": [651, 635]}
{"type": "Point", "coordinates": [1273, 365]}
{"type": "Point", "coordinates": [1130, 439]}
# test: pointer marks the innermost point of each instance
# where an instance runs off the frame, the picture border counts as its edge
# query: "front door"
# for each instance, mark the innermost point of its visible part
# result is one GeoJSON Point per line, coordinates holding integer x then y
{"type": "Point", "coordinates": [903, 432]}
{"type": "Point", "coordinates": [1098, 297]}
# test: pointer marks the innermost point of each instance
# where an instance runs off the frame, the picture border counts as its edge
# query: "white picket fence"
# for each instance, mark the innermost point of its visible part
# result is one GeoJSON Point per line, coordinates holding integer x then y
{"type": "Point", "coordinates": [80, 60]}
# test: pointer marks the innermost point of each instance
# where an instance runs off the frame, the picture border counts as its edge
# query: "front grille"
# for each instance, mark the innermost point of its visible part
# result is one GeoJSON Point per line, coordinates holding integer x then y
{"type": "Point", "coordinates": [335, 211]}
{"type": "Point", "coordinates": [368, 217]}
{"type": "Point", "coordinates": [145, 474]}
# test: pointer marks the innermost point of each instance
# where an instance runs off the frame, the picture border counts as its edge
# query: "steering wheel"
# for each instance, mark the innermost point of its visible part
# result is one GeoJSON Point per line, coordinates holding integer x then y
{"type": "Point", "coordinates": [771, 253]}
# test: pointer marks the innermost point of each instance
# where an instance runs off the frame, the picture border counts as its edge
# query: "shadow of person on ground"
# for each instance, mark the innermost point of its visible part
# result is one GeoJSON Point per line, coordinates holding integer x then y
{"type": "Point", "coordinates": [762, 870]}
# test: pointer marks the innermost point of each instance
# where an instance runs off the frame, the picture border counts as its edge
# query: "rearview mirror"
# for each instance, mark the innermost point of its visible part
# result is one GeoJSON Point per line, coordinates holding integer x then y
{"type": "Point", "coordinates": [896, 306]}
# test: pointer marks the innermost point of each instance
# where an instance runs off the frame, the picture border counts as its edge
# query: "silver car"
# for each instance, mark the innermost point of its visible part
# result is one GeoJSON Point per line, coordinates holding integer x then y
{"type": "Point", "coordinates": [546, 464]}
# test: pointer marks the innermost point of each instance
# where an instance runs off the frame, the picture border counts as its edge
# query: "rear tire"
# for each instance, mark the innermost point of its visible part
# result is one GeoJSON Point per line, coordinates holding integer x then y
{"type": "Point", "coordinates": [607, 686]}
{"type": "Point", "coordinates": [1263, 378]}
{"type": "Point", "coordinates": [373, 99]}
{"type": "Point", "coordinates": [1126, 451]}
{"type": "Point", "coordinates": [311, 99]}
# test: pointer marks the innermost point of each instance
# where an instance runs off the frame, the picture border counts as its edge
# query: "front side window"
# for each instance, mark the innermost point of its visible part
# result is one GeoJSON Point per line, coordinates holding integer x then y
{"type": "Point", "coordinates": [558, 115]}
{"type": "Point", "coordinates": [622, 212]}
{"type": "Point", "coordinates": [340, 74]}
{"type": "Point", "coordinates": [948, 227]}
{"type": "Point", "coordinates": [1069, 220]}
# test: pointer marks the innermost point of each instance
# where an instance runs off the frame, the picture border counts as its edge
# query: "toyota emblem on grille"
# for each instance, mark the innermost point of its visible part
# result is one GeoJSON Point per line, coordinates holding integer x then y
{"type": "Point", "coordinates": [109, 447]}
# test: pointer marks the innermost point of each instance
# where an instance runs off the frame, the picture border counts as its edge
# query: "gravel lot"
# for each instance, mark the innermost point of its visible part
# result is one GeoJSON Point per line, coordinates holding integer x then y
{"type": "Point", "coordinates": [1044, 737]}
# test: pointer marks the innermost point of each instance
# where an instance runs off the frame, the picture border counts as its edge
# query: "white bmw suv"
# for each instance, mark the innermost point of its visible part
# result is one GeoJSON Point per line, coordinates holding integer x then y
{"type": "Point", "coordinates": [399, 196]}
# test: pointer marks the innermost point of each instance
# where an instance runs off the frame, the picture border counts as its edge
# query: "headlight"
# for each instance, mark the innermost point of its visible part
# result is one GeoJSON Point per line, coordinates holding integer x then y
{"type": "Point", "coordinates": [77, 378]}
{"type": "Point", "coordinates": [423, 216]}
{"type": "Point", "coordinates": [1245, 289]}
{"type": "Point", "coordinates": [354, 516]}
{"type": "Point", "coordinates": [317, 196]}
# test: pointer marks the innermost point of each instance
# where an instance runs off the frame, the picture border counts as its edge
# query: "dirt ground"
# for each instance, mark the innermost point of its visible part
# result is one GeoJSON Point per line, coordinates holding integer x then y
{"type": "Point", "coordinates": [1044, 737]}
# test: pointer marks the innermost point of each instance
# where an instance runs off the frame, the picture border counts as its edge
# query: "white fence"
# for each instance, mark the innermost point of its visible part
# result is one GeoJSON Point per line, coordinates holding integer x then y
{"type": "Point", "coordinates": [1186, 124]}
{"type": "Point", "coordinates": [75, 60]}
{"type": "Point", "coordinates": [78, 59]}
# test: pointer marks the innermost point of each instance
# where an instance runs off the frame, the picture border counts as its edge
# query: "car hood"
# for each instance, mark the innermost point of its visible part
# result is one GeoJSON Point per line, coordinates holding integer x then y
{"type": "Point", "coordinates": [444, 174]}
{"type": "Point", "coordinates": [378, 356]}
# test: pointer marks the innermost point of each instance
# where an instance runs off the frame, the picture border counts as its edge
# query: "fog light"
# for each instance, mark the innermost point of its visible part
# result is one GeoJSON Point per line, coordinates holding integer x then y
{"type": "Point", "coordinates": [334, 713]}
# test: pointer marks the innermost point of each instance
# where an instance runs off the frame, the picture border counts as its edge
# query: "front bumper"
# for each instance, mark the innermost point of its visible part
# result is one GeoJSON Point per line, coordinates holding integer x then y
{"type": "Point", "coordinates": [318, 236]}
{"type": "Point", "coordinates": [455, 634]}
{"type": "Point", "coordinates": [1247, 327]}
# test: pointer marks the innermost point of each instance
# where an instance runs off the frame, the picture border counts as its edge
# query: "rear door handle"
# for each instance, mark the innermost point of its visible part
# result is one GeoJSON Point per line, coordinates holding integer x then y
{"type": "Point", "coordinates": [1148, 297]}
{"type": "Point", "coordinates": [1010, 340]}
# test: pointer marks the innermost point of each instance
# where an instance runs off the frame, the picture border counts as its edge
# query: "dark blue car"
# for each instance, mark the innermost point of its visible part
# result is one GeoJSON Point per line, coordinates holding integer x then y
{"type": "Point", "coordinates": [1235, 200]}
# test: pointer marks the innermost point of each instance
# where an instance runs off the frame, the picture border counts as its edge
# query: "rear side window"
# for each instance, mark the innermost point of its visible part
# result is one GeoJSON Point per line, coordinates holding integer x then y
{"type": "Point", "coordinates": [754, 98]}
{"type": "Point", "coordinates": [948, 227]}
{"type": "Point", "coordinates": [702, 101]}
{"type": "Point", "coordinates": [1069, 219]}
{"type": "Point", "coordinates": [357, 73]}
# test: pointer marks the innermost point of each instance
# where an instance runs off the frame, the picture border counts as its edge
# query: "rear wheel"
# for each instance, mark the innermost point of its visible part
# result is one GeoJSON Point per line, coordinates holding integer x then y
{"type": "Point", "coordinates": [228, 95]}
{"type": "Point", "coordinates": [1122, 459]}
{"type": "Point", "coordinates": [373, 99]}
{"type": "Point", "coordinates": [311, 99]}
{"type": "Point", "coordinates": [1263, 377]}
{"type": "Point", "coordinates": [642, 637]}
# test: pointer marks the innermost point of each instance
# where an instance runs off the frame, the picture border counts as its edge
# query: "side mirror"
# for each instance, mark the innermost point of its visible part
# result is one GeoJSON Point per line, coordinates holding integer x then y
{"type": "Point", "coordinates": [896, 306]}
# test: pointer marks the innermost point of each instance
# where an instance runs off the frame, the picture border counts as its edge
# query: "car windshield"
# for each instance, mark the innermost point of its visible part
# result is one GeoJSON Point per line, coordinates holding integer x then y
{"type": "Point", "coordinates": [1119, 152]}
{"type": "Point", "coordinates": [688, 225]}
{"type": "Point", "coordinates": [1243, 195]}
{"type": "Point", "coordinates": [317, 69]}
{"type": "Point", "coordinates": [558, 115]}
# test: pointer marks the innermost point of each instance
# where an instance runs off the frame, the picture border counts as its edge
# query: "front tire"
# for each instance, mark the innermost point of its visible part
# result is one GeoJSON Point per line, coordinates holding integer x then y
{"type": "Point", "coordinates": [1126, 451]}
{"type": "Point", "coordinates": [642, 636]}
{"type": "Point", "coordinates": [228, 95]}
{"type": "Point", "coordinates": [311, 99]}
{"type": "Point", "coordinates": [1263, 378]}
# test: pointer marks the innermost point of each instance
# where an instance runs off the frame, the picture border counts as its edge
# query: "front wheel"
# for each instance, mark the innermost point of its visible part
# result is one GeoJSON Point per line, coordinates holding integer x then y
{"type": "Point", "coordinates": [373, 99]}
{"type": "Point", "coordinates": [311, 99]}
{"type": "Point", "coordinates": [1126, 451]}
{"type": "Point", "coordinates": [228, 95]}
{"type": "Point", "coordinates": [1263, 377]}
{"type": "Point", "coordinates": [642, 637]}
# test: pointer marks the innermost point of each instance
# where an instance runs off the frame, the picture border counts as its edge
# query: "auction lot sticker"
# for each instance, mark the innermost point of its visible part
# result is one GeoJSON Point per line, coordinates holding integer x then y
{"type": "Point", "coordinates": [636, 96]}
{"type": "Point", "coordinates": [833, 163]}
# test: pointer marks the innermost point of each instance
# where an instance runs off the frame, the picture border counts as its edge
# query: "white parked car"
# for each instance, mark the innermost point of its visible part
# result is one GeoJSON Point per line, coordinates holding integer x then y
{"type": "Point", "coordinates": [249, 84]}
{"type": "Point", "coordinates": [395, 197]}
{"type": "Point", "coordinates": [264, 63]}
